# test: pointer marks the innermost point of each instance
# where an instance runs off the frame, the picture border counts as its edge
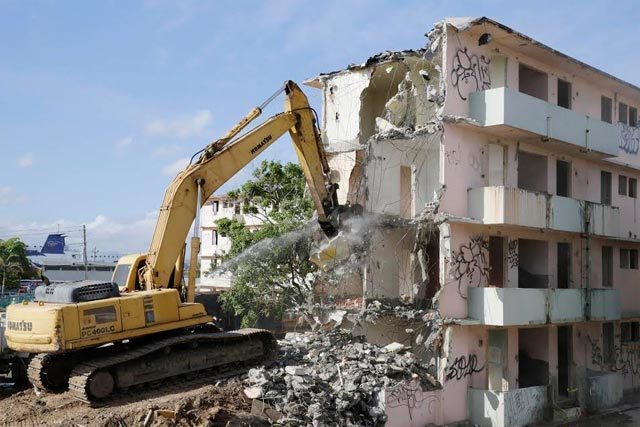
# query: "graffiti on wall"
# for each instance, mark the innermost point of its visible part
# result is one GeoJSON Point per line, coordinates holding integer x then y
{"type": "Point", "coordinates": [512, 254]}
{"type": "Point", "coordinates": [629, 141]}
{"type": "Point", "coordinates": [463, 366]}
{"type": "Point", "coordinates": [524, 406]}
{"type": "Point", "coordinates": [470, 73]}
{"type": "Point", "coordinates": [470, 262]}
{"type": "Point", "coordinates": [411, 396]}
{"type": "Point", "coordinates": [624, 359]}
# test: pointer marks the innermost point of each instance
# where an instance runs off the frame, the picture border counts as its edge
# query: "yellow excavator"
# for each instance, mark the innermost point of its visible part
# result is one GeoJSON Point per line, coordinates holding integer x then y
{"type": "Point", "coordinates": [97, 338]}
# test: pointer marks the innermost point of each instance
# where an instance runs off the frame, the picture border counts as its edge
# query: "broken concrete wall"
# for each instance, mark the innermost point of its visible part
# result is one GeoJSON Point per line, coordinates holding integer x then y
{"type": "Point", "coordinates": [341, 106]}
{"type": "Point", "coordinates": [393, 94]}
{"type": "Point", "coordinates": [384, 132]}
{"type": "Point", "coordinates": [390, 272]}
{"type": "Point", "coordinates": [370, 112]}
{"type": "Point", "coordinates": [402, 175]}
{"type": "Point", "coordinates": [393, 88]}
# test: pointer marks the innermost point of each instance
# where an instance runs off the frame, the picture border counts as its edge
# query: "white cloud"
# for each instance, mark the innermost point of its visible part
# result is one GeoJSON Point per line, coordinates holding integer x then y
{"type": "Point", "coordinates": [123, 143]}
{"type": "Point", "coordinates": [9, 197]}
{"type": "Point", "coordinates": [166, 150]}
{"type": "Point", "coordinates": [107, 235]}
{"type": "Point", "coordinates": [26, 161]}
{"type": "Point", "coordinates": [181, 127]}
{"type": "Point", "coordinates": [173, 168]}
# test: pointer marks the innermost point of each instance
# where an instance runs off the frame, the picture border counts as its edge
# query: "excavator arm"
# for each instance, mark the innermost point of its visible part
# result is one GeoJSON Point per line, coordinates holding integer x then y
{"type": "Point", "coordinates": [70, 321]}
{"type": "Point", "coordinates": [220, 161]}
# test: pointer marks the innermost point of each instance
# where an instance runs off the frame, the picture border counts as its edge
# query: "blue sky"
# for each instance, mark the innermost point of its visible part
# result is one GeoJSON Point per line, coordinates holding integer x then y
{"type": "Point", "coordinates": [101, 102]}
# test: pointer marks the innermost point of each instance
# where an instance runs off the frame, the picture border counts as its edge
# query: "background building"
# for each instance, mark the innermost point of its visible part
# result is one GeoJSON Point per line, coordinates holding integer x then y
{"type": "Point", "coordinates": [511, 172]}
{"type": "Point", "coordinates": [215, 246]}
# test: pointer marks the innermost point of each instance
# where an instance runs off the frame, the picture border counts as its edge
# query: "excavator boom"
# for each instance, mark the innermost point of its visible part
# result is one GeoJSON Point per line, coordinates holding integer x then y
{"type": "Point", "coordinates": [223, 159]}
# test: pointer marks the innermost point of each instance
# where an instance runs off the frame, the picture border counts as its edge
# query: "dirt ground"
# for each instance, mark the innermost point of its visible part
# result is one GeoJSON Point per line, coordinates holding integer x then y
{"type": "Point", "coordinates": [180, 404]}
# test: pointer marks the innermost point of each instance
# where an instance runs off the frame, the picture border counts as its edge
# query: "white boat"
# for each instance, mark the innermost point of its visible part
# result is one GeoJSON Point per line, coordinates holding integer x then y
{"type": "Point", "coordinates": [59, 262]}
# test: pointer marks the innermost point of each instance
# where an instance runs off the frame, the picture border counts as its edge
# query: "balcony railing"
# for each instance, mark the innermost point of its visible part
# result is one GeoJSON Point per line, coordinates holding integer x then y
{"type": "Point", "coordinates": [524, 306]}
{"type": "Point", "coordinates": [505, 107]}
{"type": "Point", "coordinates": [515, 206]}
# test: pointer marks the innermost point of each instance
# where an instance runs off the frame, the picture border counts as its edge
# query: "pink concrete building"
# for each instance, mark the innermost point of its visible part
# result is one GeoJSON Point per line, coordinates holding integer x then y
{"type": "Point", "coordinates": [512, 172]}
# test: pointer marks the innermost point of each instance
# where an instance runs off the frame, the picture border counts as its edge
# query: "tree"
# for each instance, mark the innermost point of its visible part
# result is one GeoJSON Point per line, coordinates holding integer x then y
{"type": "Point", "coordinates": [14, 264]}
{"type": "Point", "coordinates": [270, 266]}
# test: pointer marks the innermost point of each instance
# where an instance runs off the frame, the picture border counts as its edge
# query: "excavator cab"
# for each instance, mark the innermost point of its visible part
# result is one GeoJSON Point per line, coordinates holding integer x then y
{"type": "Point", "coordinates": [126, 274]}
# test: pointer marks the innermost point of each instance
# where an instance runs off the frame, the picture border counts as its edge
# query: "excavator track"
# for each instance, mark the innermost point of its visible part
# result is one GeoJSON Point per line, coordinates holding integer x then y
{"type": "Point", "coordinates": [50, 371]}
{"type": "Point", "coordinates": [98, 378]}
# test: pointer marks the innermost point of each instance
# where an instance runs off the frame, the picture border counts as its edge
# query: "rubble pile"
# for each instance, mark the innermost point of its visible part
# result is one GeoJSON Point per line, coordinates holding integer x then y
{"type": "Point", "coordinates": [376, 309]}
{"type": "Point", "coordinates": [332, 378]}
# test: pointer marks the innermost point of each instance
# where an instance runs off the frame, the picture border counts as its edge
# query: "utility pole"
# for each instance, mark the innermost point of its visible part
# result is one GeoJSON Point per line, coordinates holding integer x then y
{"type": "Point", "coordinates": [84, 250]}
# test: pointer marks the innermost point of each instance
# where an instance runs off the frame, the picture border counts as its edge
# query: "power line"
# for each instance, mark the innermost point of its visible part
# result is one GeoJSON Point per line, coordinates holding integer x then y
{"type": "Point", "coordinates": [35, 232]}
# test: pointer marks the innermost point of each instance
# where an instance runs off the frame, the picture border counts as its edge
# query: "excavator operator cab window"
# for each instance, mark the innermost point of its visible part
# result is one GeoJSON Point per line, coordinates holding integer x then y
{"type": "Point", "coordinates": [121, 274]}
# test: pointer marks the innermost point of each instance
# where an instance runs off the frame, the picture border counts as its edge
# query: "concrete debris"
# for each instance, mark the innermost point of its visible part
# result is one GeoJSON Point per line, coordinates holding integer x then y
{"type": "Point", "coordinates": [253, 392]}
{"type": "Point", "coordinates": [333, 378]}
{"type": "Point", "coordinates": [394, 347]}
{"type": "Point", "coordinates": [377, 309]}
{"type": "Point", "coordinates": [337, 316]}
{"type": "Point", "coordinates": [264, 410]}
{"type": "Point", "coordinates": [380, 58]}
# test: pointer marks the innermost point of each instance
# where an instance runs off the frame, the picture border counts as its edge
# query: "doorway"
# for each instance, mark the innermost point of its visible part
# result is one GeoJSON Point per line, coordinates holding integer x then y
{"type": "Point", "coordinates": [564, 265]}
{"type": "Point", "coordinates": [563, 178]}
{"type": "Point", "coordinates": [532, 172]}
{"type": "Point", "coordinates": [533, 82]}
{"type": "Point", "coordinates": [496, 261]}
{"type": "Point", "coordinates": [564, 358]}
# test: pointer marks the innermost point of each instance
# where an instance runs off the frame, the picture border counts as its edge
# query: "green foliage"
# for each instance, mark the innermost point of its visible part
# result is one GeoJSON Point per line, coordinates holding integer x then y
{"type": "Point", "coordinates": [271, 266]}
{"type": "Point", "coordinates": [14, 264]}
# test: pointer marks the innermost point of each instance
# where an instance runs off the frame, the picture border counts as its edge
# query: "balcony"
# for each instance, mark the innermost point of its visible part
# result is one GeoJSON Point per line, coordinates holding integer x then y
{"type": "Point", "coordinates": [605, 304]}
{"type": "Point", "coordinates": [510, 113]}
{"type": "Point", "coordinates": [524, 306]}
{"type": "Point", "coordinates": [515, 206]}
{"type": "Point", "coordinates": [504, 205]}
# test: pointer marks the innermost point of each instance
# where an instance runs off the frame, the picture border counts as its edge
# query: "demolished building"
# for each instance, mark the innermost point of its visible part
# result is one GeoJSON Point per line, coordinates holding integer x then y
{"type": "Point", "coordinates": [510, 259]}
